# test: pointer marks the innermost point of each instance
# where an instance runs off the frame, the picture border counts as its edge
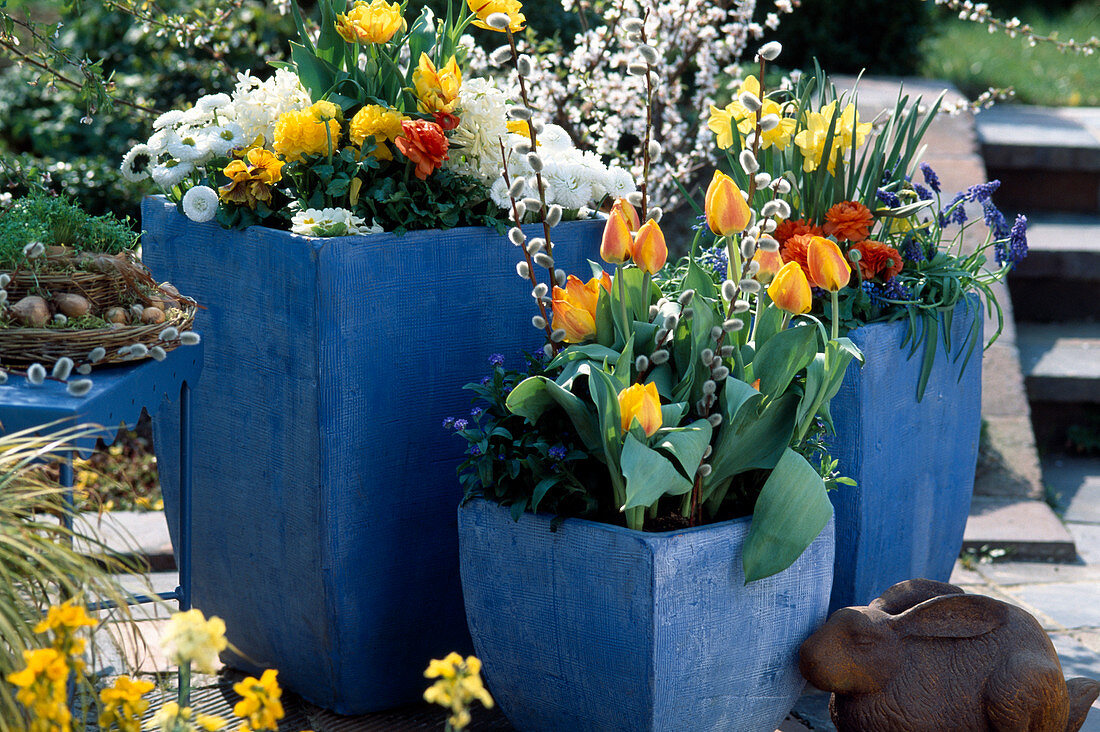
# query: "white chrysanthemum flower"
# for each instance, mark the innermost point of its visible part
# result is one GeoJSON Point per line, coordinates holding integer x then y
{"type": "Point", "coordinates": [571, 183]}
{"type": "Point", "coordinates": [221, 139]}
{"type": "Point", "coordinates": [136, 164]}
{"type": "Point", "coordinates": [190, 147]}
{"type": "Point", "coordinates": [330, 222]}
{"type": "Point", "coordinates": [171, 173]}
{"type": "Point", "coordinates": [620, 182]}
{"type": "Point", "coordinates": [168, 119]}
{"type": "Point", "coordinates": [498, 192]}
{"type": "Point", "coordinates": [213, 102]}
{"type": "Point", "coordinates": [161, 139]}
{"type": "Point", "coordinates": [200, 203]}
{"type": "Point", "coordinates": [475, 143]}
{"type": "Point", "coordinates": [196, 117]}
{"type": "Point", "coordinates": [554, 139]}
{"type": "Point", "coordinates": [258, 104]}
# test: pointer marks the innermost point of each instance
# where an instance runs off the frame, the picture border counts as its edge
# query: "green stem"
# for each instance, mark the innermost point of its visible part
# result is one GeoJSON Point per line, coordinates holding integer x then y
{"type": "Point", "coordinates": [836, 314]}
{"type": "Point", "coordinates": [757, 315]}
{"type": "Point", "coordinates": [622, 300]}
{"type": "Point", "coordinates": [184, 697]}
{"type": "Point", "coordinates": [647, 278]}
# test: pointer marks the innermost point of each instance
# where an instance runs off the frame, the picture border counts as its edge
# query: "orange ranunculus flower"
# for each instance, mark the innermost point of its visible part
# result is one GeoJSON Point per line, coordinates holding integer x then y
{"type": "Point", "coordinates": [642, 403]}
{"type": "Point", "coordinates": [826, 265]}
{"type": "Point", "coordinates": [790, 290]}
{"type": "Point", "coordinates": [575, 307]}
{"type": "Point", "coordinates": [423, 143]}
{"type": "Point", "coordinates": [484, 8]}
{"type": "Point", "coordinates": [795, 249]}
{"type": "Point", "coordinates": [629, 213]}
{"type": "Point", "coordinates": [726, 210]}
{"type": "Point", "coordinates": [848, 221]}
{"type": "Point", "coordinates": [436, 89]}
{"type": "Point", "coordinates": [770, 263]}
{"type": "Point", "coordinates": [877, 259]}
{"type": "Point", "coordinates": [794, 227]}
{"type": "Point", "coordinates": [650, 250]}
{"type": "Point", "coordinates": [617, 245]}
{"type": "Point", "coordinates": [374, 22]}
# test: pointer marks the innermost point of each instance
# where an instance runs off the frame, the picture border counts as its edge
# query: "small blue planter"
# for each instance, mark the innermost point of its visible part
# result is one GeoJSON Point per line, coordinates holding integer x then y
{"type": "Point", "coordinates": [597, 627]}
{"type": "Point", "coordinates": [913, 461]}
{"type": "Point", "coordinates": [324, 484]}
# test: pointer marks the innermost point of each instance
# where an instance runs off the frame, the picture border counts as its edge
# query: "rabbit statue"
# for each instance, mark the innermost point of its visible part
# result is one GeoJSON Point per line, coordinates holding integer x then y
{"type": "Point", "coordinates": [925, 656]}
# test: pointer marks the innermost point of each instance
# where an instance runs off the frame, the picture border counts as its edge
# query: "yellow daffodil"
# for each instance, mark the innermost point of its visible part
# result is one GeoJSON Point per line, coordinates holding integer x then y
{"type": "Point", "coordinates": [171, 718]}
{"type": "Point", "coordinates": [260, 701]}
{"type": "Point", "coordinates": [43, 689]}
{"type": "Point", "coordinates": [191, 638]}
{"type": "Point", "coordinates": [642, 404]}
{"type": "Point", "coordinates": [575, 307]}
{"type": "Point", "coordinates": [311, 131]}
{"type": "Point", "coordinates": [512, 8]}
{"type": "Point", "coordinates": [790, 291]}
{"type": "Point", "coordinates": [722, 121]}
{"type": "Point", "coordinates": [617, 244]}
{"type": "Point", "coordinates": [436, 89]}
{"type": "Point", "coordinates": [459, 685]}
{"type": "Point", "coordinates": [374, 22]}
{"type": "Point", "coordinates": [826, 265]}
{"type": "Point", "coordinates": [725, 207]}
{"type": "Point", "coordinates": [650, 251]}
{"type": "Point", "coordinates": [381, 123]}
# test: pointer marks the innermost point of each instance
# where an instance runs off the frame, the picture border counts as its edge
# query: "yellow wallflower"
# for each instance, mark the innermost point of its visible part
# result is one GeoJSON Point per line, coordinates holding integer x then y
{"type": "Point", "coordinates": [458, 686]}
{"type": "Point", "coordinates": [722, 120]}
{"type": "Point", "coordinates": [381, 123]}
{"type": "Point", "coordinates": [436, 89]}
{"type": "Point", "coordinates": [303, 132]}
{"type": "Point", "coordinates": [171, 718]}
{"type": "Point", "coordinates": [512, 8]}
{"type": "Point", "coordinates": [124, 705]}
{"type": "Point", "coordinates": [68, 616]}
{"type": "Point", "coordinates": [191, 638]}
{"type": "Point", "coordinates": [43, 690]}
{"type": "Point", "coordinates": [260, 704]}
{"type": "Point", "coordinates": [374, 22]}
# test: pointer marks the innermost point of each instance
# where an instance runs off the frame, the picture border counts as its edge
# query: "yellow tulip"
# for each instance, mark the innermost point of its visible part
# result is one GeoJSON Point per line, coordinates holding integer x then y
{"type": "Point", "coordinates": [617, 245]}
{"type": "Point", "coordinates": [770, 263]}
{"type": "Point", "coordinates": [436, 89]}
{"type": "Point", "coordinates": [650, 250]}
{"type": "Point", "coordinates": [376, 22]}
{"type": "Point", "coordinates": [512, 8]}
{"type": "Point", "coordinates": [727, 212]}
{"type": "Point", "coordinates": [575, 307]}
{"type": "Point", "coordinates": [790, 290]}
{"type": "Point", "coordinates": [828, 269]}
{"type": "Point", "coordinates": [641, 403]}
{"type": "Point", "coordinates": [628, 212]}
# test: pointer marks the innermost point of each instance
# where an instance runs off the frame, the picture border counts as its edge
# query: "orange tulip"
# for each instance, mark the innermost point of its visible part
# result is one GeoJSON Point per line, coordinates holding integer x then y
{"type": "Point", "coordinates": [650, 250]}
{"type": "Point", "coordinates": [727, 212]}
{"type": "Point", "coordinates": [618, 242]}
{"type": "Point", "coordinates": [629, 213]}
{"type": "Point", "coordinates": [770, 263]}
{"type": "Point", "coordinates": [575, 307]}
{"type": "Point", "coordinates": [790, 290]}
{"type": "Point", "coordinates": [828, 269]}
{"type": "Point", "coordinates": [641, 403]}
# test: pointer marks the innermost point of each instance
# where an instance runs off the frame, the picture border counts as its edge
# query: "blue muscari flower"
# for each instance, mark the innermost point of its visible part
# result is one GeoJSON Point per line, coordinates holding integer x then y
{"type": "Point", "coordinates": [982, 191]}
{"type": "Point", "coordinates": [930, 177]}
{"type": "Point", "coordinates": [448, 423]}
{"type": "Point", "coordinates": [1015, 249]}
{"type": "Point", "coordinates": [895, 290]}
{"type": "Point", "coordinates": [958, 216]}
{"type": "Point", "coordinates": [497, 359]}
{"type": "Point", "coordinates": [461, 424]}
{"type": "Point", "coordinates": [888, 197]}
{"type": "Point", "coordinates": [873, 292]}
{"type": "Point", "coordinates": [476, 412]}
{"type": "Point", "coordinates": [913, 251]}
{"type": "Point", "coordinates": [717, 258]}
{"type": "Point", "coordinates": [995, 220]}
{"type": "Point", "coordinates": [923, 193]}
{"type": "Point", "coordinates": [702, 219]}
{"type": "Point", "coordinates": [557, 452]}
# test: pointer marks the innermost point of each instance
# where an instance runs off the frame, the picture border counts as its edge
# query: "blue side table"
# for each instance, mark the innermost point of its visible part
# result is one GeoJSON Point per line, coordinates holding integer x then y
{"type": "Point", "coordinates": [117, 397]}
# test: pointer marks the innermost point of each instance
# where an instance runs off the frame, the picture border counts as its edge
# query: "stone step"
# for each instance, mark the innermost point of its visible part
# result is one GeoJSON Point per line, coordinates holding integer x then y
{"type": "Point", "coordinates": [1061, 366]}
{"type": "Point", "coordinates": [1024, 529]}
{"type": "Point", "coordinates": [1060, 277]}
{"type": "Point", "coordinates": [1047, 158]}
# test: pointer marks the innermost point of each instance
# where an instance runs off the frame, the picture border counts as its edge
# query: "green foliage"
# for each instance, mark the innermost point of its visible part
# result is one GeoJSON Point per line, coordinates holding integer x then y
{"type": "Point", "coordinates": [94, 181]}
{"type": "Point", "coordinates": [55, 220]}
{"type": "Point", "coordinates": [879, 36]}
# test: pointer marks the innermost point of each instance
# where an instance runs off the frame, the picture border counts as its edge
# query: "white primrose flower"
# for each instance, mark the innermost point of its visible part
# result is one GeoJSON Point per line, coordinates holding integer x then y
{"type": "Point", "coordinates": [330, 222]}
{"type": "Point", "coordinates": [171, 173]}
{"type": "Point", "coordinates": [200, 203]}
{"type": "Point", "coordinates": [137, 163]}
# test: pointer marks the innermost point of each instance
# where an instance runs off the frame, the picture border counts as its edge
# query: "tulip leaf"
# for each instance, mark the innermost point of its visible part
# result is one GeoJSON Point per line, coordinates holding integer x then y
{"type": "Point", "coordinates": [592, 351]}
{"type": "Point", "coordinates": [687, 444]}
{"type": "Point", "coordinates": [649, 475]}
{"type": "Point", "coordinates": [609, 420]}
{"type": "Point", "coordinates": [529, 399]}
{"type": "Point", "coordinates": [605, 319]}
{"type": "Point", "coordinates": [734, 395]}
{"type": "Point", "coordinates": [698, 280]}
{"type": "Point", "coordinates": [671, 414]}
{"type": "Point", "coordinates": [534, 395]}
{"type": "Point", "coordinates": [771, 322]}
{"type": "Point", "coordinates": [662, 377]}
{"type": "Point", "coordinates": [790, 512]}
{"type": "Point", "coordinates": [754, 439]}
{"type": "Point", "coordinates": [633, 279]}
{"type": "Point", "coordinates": [624, 364]}
{"type": "Point", "coordinates": [824, 376]}
{"type": "Point", "coordinates": [779, 360]}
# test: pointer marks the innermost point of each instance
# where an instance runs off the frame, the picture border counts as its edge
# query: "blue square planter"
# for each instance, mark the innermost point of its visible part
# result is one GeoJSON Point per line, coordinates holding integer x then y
{"type": "Point", "coordinates": [325, 485]}
{"type": "Point", "coordinates": [913, 462]}
{"type": "Point", "coordinates": [599, 628]}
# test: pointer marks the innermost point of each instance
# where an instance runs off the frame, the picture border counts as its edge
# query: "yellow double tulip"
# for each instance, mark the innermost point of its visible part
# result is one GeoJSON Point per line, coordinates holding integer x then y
{"type": "Point", "coordinates": [436, 88]}
{"type": "Point", "coordinates": [376, 22]}
{"type": "Point", "coordinates": [575, 307]}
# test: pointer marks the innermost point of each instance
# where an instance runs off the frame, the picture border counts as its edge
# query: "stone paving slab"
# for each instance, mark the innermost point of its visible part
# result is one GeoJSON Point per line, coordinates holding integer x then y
{"type": "Point", "coordinates": [1075, 482]}
{"type": "Point", "coordinates": [1061, 361]}
{"type": "Point", "coordinates": [1017, 136]}
{"type": "Point", "coordinates": [1026, 529]}
{"type": "Point", "coordinates": [1070, 605]}
{"type": "Point", "coordinates": [1087, 538]}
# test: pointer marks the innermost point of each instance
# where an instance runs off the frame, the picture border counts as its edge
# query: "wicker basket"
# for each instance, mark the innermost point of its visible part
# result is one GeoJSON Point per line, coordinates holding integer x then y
{"type": "Point", "coordinates": [105, 281]}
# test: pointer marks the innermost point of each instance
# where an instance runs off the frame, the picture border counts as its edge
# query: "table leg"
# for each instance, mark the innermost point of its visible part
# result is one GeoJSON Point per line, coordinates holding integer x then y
{"type": "Point", "coordinates": [185, 527]}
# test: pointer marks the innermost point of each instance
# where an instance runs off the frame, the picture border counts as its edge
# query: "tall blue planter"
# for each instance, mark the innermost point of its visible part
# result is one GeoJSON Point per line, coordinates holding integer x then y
{"type": "Point", "coordinates": [599, 628]}
{"type": "Point", "coordinates": [325, 485]}
{"type": "Point", "coordinates": [913, 462]}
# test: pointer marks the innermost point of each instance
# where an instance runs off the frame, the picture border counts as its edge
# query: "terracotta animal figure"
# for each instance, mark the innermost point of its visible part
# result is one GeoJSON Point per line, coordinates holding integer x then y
{"type": "Point", "coordinates": [926, 657]}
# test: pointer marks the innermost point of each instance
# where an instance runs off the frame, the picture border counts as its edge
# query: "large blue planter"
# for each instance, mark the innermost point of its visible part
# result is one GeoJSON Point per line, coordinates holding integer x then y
{"type": "Point", "coordinates": [913, 462]}
{"type": "Point", "coordinates": [325, 485]}
{"type": "Point", "coordinates": [597, 627]}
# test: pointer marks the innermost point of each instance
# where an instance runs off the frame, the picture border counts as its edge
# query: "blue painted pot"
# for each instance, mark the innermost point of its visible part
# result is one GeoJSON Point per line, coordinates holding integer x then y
{"type": "Point", "coordinates": [597, 627]}
{"type": "Point", "coordinates": [913, 462]}
{"type": "Point", "coordinates": [325, 485]}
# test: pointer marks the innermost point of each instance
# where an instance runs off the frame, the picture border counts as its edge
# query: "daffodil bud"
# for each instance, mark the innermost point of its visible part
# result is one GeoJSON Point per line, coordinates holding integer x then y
{"type": "Point", "coordinates": [520, 113]}
{"type": "Point", "coordinates": [649, 54]}
{"type": "Point", "coordinates": [500, 55]}
{"type": "Point", "coordinates": [641, 363]}
{"type": "Point", "coordinates": [498, 21]}
{"type": "Point", "coordinates": [729, 290]}
{"type": "Point", "coordinates": [553, 215]}
{"type": "Point", "coordinates": [748, 162]}
{"type": "Point", "coordinates": [634, 199]}
{"type": "Point", "coordinates": [523, 270]}
{"type": "Point", "coordinates": [762, 180]}
{"type": "Point", "coordinates": [770, 51]}
{"type": "Point", "coordinates": [543, 259]}
{"type": "Point", "coordinates": [749, 101]}
{"type": "Point", "coordinates": [768, 244]}
{"type": "Point", "coordinates": [524, 65]}
{"type": "Point", "coordinates": [539, 322]}
{"type": "Point", "coordinates": [659, 356]}
{"type": "Point", "coordinates": [79, 387]}
{"type": "Point", "coordinates": [36, 374]}
{"type": "Point", "coordinates": [516, 236]}
{"type": "Point", "coordinates": [715, 420]}
{"type": "Point", "coordinates": [769, 122]}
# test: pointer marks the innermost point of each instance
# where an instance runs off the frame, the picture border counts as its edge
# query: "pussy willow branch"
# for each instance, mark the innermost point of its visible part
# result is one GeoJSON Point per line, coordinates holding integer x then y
{"type": "Point", "coordinates": [648, 125]}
